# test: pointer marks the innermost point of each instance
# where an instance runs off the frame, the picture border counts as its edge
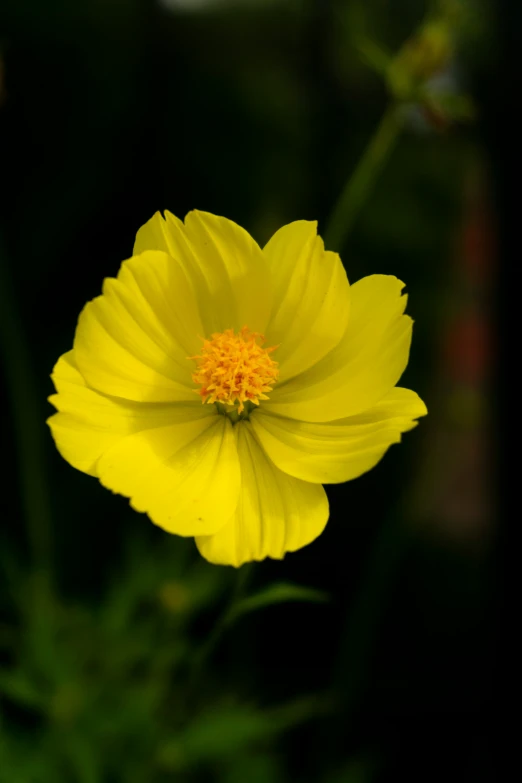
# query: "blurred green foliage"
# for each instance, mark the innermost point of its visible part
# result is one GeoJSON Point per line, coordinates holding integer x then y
{"type": "Point", "coordinates": [106, 693]}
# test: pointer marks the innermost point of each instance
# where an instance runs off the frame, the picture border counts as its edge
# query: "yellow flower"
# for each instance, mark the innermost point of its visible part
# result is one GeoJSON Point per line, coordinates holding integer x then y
{"type": "Point", "coordinates": [218, 385]}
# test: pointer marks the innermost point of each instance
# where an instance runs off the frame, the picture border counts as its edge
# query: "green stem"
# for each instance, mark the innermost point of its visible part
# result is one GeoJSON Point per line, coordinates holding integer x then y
{"type": "Point", "coordinates": [27, 421]}
{"type": "Point", "coordinates": [207, 649]}
{"type": "Point", "coordinates": [360, 184]}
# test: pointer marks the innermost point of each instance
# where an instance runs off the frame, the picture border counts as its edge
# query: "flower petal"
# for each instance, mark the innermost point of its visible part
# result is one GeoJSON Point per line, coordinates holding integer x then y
{"type": "Point", "coordinates": [176, 462]}
{"type": "Point", "coordinates": [275, 514]}
{"type": "Point", "coordinates": [227, 268]}
{"type": "Point", "coordinates": [311, 297]}
{"type": "Point", "coordinates": [341, 450]}
{"type": "Point", "coordinates": [133, 341]}
{"type": "Point", "coordinates": [187, 483]}
{"type": "Point", "coordinates": [89, 423]}
{"type": "Point", "coordinates": [366, 364]}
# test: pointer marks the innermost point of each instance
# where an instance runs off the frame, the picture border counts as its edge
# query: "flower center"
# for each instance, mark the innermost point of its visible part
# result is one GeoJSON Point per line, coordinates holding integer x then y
{"type": "Point", "coordinates": [235, 368]}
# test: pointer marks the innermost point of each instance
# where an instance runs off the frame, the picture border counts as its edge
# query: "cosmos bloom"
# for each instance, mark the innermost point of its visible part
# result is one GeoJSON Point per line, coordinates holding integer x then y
{"type": "Point", "coordinates": [218, 385]}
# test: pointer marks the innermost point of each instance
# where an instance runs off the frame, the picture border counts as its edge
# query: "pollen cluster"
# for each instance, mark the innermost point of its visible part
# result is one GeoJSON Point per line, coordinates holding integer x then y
{"type": "Point", "coordinates": [235, 368]}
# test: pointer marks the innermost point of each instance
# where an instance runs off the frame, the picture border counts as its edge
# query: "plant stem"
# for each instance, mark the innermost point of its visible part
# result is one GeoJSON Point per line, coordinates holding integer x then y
{"type": "Point", "coordinates": [207, 649]}
{"type": "Point", "coordinates": [360, 184]}
{"type": "Point", "coordinates": [362, 624]}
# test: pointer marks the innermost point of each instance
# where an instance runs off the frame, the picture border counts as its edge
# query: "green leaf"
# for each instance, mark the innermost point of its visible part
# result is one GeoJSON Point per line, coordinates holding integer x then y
{"type": "Point", "coordinates": [218, 733]}
{"type": "Point", "coordinates": [278, 593]}
{"type": "Point", "coordinates": [374, 56]}
{"type": "Point", "coordinates": [226, 730]}
{"type": "Point", "coordinates": [15, 685]}
{"type": "Point", "coordinates": [457, 107]}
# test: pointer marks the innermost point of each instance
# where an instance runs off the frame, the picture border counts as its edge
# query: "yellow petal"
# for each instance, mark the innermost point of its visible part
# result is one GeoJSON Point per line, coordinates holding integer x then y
{"type": "Point", "coordinates": [275, 514]}
{"type": "Point", "coordinates": [340, 450]}
{"type": "Point", "coordinates": [227, 268]}
{"type": "Point", "coordinates": [311, 297]}
{"type": "Point", "coordinates": [133, 341]}
{"type": "Point", "coordinates": [365, 365]}
{"type": "Point", "coordinates": [186, 477]}
{"type": "Point", "coordinates": [177, 462]}
{"type": "Point", "coordinates": [83, 428]}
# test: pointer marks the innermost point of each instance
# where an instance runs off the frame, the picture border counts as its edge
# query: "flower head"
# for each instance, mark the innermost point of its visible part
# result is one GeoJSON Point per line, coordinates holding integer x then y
{"type": "Point", "coordinates": [218, 385]}
{"type": "Point", "coordinates": [235, 368]}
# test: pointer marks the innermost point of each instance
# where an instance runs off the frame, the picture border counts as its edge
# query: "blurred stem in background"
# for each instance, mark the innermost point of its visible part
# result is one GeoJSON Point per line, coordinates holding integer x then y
{"type": "Point", "coordinates": [203, 655]}
{"type": "Point", "coordinates": [349, 671]}
{"type": "Point", "coordinates": [360, 184]}
{"type": "Point", "coordinates": [27, 423]}
{"type": "Point", "coordinates": [425, 54]}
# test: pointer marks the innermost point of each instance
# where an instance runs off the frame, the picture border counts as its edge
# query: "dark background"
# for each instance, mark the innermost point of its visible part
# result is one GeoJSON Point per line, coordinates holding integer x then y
{"type": "Point", "coordinates": [111, 110]}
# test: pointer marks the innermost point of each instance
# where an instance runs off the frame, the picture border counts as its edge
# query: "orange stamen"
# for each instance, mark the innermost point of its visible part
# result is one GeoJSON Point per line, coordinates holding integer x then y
{"type": "Point", "coordinates": [235, 368]}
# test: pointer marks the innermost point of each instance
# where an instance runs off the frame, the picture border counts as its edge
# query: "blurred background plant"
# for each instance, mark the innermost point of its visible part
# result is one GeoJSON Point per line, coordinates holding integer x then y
{"type": "Point", "coordinates": [123, 655]}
